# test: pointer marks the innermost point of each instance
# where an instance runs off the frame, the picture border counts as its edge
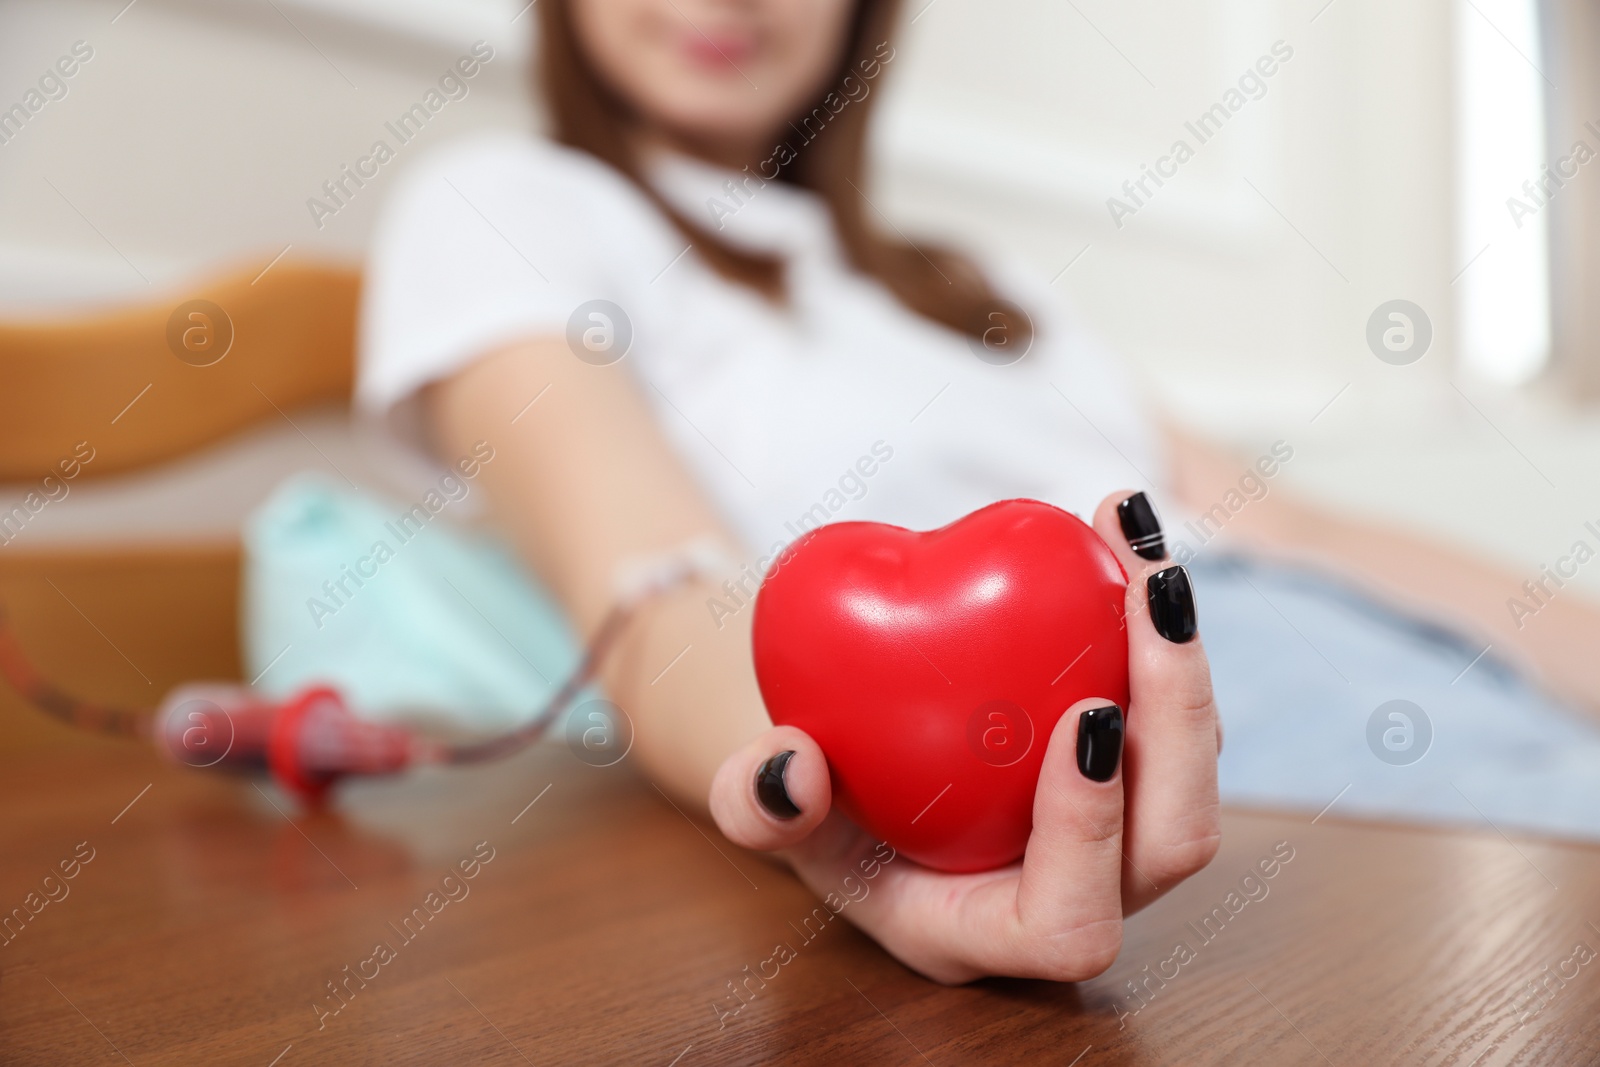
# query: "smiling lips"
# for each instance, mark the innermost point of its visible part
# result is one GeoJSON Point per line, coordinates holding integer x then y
{"type": "Point", "coordinates": [720, 50]}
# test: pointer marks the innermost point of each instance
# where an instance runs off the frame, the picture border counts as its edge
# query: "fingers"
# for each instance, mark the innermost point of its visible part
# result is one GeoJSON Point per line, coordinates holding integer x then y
{"type": "Point", "coordinates": [1173, 823]}
{"type": "Point", "coordinates": [773, 792]}
{"type": "Point", "coordinates": [1055, 916]}
{"type": "Point", "coordinates": [1129, 523]}
{"type": "Point", "coordinates": [1069, 900]}
{"type": "Point", "coordinates": [1060, 916]}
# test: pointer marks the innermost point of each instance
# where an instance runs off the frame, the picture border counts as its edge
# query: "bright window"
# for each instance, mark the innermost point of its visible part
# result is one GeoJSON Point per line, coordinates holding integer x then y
{"type": "Point", "coordinates": [1504, 191]}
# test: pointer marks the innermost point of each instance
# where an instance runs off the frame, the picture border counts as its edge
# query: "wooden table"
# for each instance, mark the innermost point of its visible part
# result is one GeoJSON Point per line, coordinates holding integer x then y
{"type": "Point", "coordinates": [607, 925]}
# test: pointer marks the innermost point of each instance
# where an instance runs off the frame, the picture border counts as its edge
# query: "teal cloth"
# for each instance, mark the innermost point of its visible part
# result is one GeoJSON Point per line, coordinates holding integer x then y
{"type": "Point", "coordinates": [449, 626]}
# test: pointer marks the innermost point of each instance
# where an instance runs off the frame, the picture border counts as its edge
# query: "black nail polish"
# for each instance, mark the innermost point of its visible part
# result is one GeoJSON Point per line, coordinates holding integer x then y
{"type": "Point", "coordinates": [770, 787]}
{"type": "Point", "coordinates": [1141, 527]}
{"type": "Point", "coordinates": [1172, 605]}
{"type": "Point", "coordinates": [1100, 742]}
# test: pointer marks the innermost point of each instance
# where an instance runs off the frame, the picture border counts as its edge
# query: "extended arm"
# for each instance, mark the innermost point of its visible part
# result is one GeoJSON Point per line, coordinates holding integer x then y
{"type": "Point", "coordinates": [1443, 582]}
{"type": "Point", "coordinates": [584, 481]}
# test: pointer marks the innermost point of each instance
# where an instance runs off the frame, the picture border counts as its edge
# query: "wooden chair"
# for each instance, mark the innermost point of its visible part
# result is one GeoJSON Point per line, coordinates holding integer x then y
{"type": "Point", "coordinates": [137, 386]}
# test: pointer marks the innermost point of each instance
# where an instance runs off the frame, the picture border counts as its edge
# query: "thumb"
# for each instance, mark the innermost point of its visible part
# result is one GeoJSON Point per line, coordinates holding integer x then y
{"type": "Point", "coordinates": [773, 792]}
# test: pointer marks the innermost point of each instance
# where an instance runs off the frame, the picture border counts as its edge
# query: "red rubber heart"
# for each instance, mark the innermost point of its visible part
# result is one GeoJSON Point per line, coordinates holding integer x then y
{"type": "Point", "coordinates": [932, 667]}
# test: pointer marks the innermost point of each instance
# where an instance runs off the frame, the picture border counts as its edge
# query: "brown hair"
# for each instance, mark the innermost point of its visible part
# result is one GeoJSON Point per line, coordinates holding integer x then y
{"type": "Point", "coordinates": [934, 282]}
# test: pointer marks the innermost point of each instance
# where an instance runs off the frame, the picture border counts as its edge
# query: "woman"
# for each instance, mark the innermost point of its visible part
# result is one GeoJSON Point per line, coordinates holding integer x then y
{"type": "Point", "coordinates": [794, 337]}
{"type": "Point", "coordinates": [686, 318]}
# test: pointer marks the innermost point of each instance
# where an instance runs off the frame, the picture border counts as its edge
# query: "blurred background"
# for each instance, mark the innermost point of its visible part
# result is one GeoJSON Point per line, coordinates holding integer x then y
{"type": "Point", "coordinates": [1425, 152]}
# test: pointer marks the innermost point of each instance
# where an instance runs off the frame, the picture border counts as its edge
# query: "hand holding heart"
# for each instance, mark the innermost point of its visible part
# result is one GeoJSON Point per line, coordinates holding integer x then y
{"type": "Point", "coordinates": [1092, 851]}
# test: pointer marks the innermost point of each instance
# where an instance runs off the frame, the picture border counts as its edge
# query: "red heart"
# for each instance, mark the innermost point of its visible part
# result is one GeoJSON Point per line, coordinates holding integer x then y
{"type": "Point", "coordinates": [932, 667]}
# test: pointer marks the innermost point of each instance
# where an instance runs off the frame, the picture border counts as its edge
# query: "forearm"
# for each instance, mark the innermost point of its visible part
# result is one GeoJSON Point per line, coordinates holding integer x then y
{"type": "Point", "coordinates": [690, 689]}
{"type": "Point", "coordinates": [584, 483]}
{"type": "Point", "coordinates": [1444, 582]}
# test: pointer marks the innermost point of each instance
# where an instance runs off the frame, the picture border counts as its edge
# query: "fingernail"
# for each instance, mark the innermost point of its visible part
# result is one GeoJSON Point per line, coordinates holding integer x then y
{"type": "Point", "coordinates": [770, 787]}
{"type": "Point", "coordinates": [1100, 742]}
{"type": "Point", "coordinates": [1141, 527]}
{"type": "Point", "coordinates": [1172, 605]}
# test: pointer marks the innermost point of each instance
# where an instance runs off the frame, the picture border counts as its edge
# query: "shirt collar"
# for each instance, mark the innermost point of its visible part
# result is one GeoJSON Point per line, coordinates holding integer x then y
{"type": "Point", "coordinates": [743, 208]}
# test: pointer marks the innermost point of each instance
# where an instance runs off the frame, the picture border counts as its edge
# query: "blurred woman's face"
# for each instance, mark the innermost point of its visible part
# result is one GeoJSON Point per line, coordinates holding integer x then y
{"type": "Point", "coordinates": [723, 75]}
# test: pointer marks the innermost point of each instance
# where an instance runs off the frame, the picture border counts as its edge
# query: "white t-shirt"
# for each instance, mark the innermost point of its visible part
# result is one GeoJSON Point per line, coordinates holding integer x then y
{"type": "Point", "coordinates": [840, 405]}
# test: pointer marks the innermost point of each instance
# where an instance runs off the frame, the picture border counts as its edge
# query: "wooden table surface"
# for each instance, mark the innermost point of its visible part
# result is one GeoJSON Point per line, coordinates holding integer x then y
{"type": "Point", "coordinates": [607, 927]}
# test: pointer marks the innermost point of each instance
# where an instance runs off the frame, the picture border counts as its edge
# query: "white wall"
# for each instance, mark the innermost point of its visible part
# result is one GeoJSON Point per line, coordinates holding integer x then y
{"type": "Point", "coordinates": [1241, 293]}
{"type": "Point", "coordinates": [1218, 297]}
{"type": "Point", "coordinates": [199, 129]}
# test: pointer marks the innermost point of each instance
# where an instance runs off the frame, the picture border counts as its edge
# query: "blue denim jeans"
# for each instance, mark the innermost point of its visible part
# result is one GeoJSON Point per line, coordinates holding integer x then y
{"type": "Point", "coordinates": [1307, 672]}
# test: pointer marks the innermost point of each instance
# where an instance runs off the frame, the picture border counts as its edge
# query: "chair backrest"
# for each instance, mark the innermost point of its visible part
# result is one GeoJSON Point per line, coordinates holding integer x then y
{"type": "Point", "coordinates": [149, 382]}
{"type": "Point", "coordinates": [138, 385]}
